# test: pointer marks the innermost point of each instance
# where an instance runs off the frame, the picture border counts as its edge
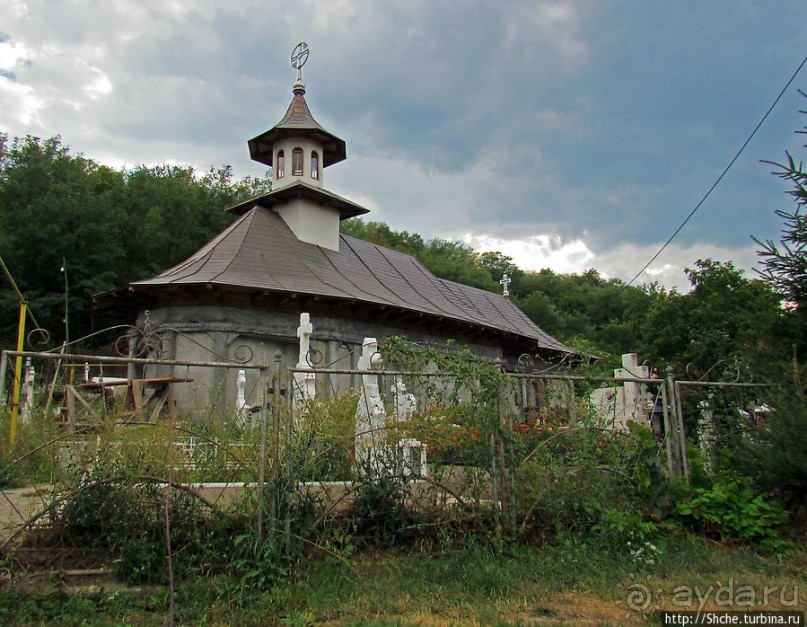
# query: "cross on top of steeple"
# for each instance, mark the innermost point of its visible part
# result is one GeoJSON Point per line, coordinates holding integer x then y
{"type": "Point", "coordinates": [504, 283]}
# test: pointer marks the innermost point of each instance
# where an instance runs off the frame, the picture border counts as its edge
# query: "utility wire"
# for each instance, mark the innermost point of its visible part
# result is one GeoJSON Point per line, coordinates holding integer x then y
{"type": "Point", "coordinates": [719, 178]}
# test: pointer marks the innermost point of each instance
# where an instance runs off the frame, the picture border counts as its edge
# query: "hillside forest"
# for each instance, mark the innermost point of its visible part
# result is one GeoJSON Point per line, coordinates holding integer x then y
{"type": "Point", "coordinates": [70, 227]}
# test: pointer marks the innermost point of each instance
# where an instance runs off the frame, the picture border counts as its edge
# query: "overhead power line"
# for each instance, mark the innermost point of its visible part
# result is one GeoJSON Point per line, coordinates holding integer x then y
{"type": "Point", "coordinates": [719, 178]}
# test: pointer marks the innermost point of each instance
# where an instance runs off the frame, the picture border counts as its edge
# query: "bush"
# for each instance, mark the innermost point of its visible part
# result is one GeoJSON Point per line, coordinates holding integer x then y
{"type": "Point", "coordinates": [128, 519]}
{"type": "Point", "coordinates": [381, 515]}
{"type": "Point", "coordinates": [324, 436]}
{"type": "Point", "coordinates": [32, 459]}
{"type": "Point", "coordinates": [732, 510]}
{"type": "Point", "coordinates": [774, 455]}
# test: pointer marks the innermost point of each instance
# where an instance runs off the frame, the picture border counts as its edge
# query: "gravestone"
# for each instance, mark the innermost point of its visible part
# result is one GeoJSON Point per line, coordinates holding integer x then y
{"type": "Point", "coordinates": [627, 402]}
{"type": "Point", "coordinates": [371, 416]}
{"type": "Point", "coordinates": [405, 404]}
{"type": "Point", "coordinates": [27, 401]}
{"type": "Point", "coordinates": [305, 385]}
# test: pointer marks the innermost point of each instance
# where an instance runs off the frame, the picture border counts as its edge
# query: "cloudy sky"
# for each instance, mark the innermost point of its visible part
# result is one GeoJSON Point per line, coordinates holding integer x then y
{"type": "Point", "coordinates": [566, 134]}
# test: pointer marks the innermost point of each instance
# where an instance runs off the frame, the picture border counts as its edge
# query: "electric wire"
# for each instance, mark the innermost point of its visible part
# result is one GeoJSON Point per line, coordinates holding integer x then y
{"type": "Point", "coordinates": [719, 178]}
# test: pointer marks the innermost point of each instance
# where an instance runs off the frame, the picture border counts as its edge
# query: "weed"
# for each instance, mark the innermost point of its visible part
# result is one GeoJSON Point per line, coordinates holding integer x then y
{"type": "Point", "coordinates": [380, 513]}
{"type": "Point", "coordinates": [732, 510]}
{"type": "Point", "coordinates": [259, 564]}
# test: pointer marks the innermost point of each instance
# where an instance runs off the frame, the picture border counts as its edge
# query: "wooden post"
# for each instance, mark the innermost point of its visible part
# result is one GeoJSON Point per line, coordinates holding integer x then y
{"type": "Point", "coordinates": [289, 476]}
{"type": "Point", "coordinates": [676, 442]}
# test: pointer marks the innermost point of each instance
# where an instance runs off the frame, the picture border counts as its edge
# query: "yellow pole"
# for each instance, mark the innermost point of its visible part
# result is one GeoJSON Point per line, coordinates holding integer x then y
{"type": "Point", "coordinates": [15, 399]}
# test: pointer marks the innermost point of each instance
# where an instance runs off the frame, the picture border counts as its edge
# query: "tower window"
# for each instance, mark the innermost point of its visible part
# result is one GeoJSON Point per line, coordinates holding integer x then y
{"type": "Point", "coordinates": [281, 165]}
{"type": "Point", "coordinates": [297, 162]}
{"type": "Point", "coordinates": [314, 165]}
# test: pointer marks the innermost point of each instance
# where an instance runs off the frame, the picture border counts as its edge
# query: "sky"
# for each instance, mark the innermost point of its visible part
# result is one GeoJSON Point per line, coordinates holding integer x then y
{"type": "Point", "coordinates": [565, 134]}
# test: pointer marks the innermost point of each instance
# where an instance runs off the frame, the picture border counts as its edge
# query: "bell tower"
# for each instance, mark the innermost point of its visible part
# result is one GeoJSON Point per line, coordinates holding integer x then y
{"type": "Point", "coordinates": [297, 148]}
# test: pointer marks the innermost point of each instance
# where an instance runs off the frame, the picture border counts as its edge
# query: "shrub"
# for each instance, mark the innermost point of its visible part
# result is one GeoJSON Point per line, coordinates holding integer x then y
{"type": "Point", "coordinates": [128, 519]}
{"type": "Point", "coordinates": [381, 515]}
{"type": "Point", "coordinates": [324, 436]}
{"type": "Point", "coordinates": [774, 455]}
{"type": "Point", "coordinates": [732, 510]}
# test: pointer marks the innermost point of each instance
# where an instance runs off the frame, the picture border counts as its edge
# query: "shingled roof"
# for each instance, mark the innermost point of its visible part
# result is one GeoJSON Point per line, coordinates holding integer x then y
{"type": "Point", "coordinates": [259, 253]}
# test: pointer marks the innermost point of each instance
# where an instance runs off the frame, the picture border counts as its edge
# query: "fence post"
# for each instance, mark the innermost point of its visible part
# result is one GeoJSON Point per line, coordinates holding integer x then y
{"type": "Point", "coordinates": [677, 426]}
{"type": "Point", "coordinates": [672, 462]}
{"type": "Point", "coordinates": [3, 369]}
{"type": "Point", "coordinates": [572, 403]}
{"type": "Point", "coordinates": [262, 457]}
{"type": "Point", "coordinates": [15, 399]}
{"type": "Point", "coordinates": [289, 482]}
{"type": "Point", "coordinates": [273, 504]}
{"type": "Point", "coordinates": [494, 483]}
{"type": "Point", "coordinates": [681, 432]}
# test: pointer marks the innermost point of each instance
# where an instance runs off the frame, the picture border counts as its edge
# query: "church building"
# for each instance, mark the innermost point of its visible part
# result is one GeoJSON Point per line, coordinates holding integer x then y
{"type": "Point", "coordinates": [241, 295]}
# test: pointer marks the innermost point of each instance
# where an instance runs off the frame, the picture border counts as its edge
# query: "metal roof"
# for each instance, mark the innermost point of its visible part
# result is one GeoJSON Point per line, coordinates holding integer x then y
{"type": "Point", "coordinates": [259, 252]}
{"type": "Point", "coordinates": [301, 189]}
{"type": "Point", "coordinates": [298, 122]}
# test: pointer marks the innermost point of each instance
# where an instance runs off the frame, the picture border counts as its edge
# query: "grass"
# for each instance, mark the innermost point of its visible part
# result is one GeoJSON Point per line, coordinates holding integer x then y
{"type": "Point", "coordinates": [563, 583]}
{"type": "Point", "coordinates": [558, 575]}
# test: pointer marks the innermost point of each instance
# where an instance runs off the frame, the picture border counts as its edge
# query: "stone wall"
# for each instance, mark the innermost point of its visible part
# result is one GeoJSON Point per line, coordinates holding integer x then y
{"type": "Point", "coordinates": [209, 333]}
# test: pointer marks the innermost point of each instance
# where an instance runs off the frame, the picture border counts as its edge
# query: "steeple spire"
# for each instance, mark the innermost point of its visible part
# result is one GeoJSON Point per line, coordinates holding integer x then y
{"type": "Point", "coordinates": [297, 147]}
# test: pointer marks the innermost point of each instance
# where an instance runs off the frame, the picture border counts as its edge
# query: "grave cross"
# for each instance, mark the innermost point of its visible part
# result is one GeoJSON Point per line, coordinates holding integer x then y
{"type": "Point", "coordinates": [305, 388]}
{"type": "Point", "coordinates": [304, 332]}
{"type": "Point", "coordinates": [504, 283]}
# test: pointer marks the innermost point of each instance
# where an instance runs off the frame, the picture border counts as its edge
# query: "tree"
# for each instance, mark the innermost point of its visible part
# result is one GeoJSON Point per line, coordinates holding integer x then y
{"type": "Point", "coordinates": [786, 263]}
{"type": "Point", "coordinates": [380, 234]}
{"type": "Point", "coordinates": [726, 319]}
{"type": "Point", "coordinates": [498, 265]}
{"type": "Point", "coordinates": [70, 227]}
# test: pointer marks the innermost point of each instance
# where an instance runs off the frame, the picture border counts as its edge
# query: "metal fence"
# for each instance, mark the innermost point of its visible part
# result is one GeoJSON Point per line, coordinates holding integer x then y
{"type": "Point", "coordinates": [300, 438]}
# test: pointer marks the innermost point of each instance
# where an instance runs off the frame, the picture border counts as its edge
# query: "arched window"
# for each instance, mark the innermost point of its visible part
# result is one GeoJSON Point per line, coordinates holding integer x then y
{"type": "Point", "coordinates": [297, 162]}
{"type": "Point", "coordinates": [314, 165]}
{"type": "Point", "coordinates": [281, 165]}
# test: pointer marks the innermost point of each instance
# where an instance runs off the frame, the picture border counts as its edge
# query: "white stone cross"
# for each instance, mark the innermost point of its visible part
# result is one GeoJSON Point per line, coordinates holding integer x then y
{"type": "Point", "coordinates": [304, 332]}
{"type": "Point", "coordinates": [241, 386]}
{"type": "Point", "coordinates": [305, 385]}
{"type": "Point", "coordinates": [504, 283]}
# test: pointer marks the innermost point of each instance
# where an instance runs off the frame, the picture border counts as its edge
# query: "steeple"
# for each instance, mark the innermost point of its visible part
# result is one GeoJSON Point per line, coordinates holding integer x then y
{"type": "Point", "coordinates": [297, 148]}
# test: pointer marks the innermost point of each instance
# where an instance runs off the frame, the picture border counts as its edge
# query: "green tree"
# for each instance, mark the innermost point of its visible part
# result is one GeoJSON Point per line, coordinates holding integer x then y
{"type": "Point", "coordinates": [380, 234]}
{"type": "Point", "coordinates": [70, 227]}
{"type": "Point", "coordinates": [725, 321]}
{"type": "Point", "coordinates": [56, 208]}
{"type": "Point", "coordinates": [498, 265]}
{"type": "Point", "coordinates": [786, 263]}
